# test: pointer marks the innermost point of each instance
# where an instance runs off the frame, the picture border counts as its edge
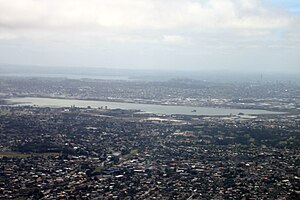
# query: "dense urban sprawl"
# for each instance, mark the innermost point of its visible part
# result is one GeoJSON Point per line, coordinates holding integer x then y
{"type": "Point", "coordinates": [82, 153]}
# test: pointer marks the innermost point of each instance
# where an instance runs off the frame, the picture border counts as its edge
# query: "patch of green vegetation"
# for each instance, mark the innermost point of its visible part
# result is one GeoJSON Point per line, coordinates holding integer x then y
{"type": "Point", "coordinates": [4, 112]}
{"type": "Point", "coordinates": [24, 155]}
{"type": "Point", "coordinates": [99, 169]}
{"type": "Point", "coordinates": [198, 127]}
{"type": "Point", "coordinates": [13, 155]}
{"type": "Point", "coordinates": [20, 198]}
{"type": "Point", "coordinates": [134, 152]}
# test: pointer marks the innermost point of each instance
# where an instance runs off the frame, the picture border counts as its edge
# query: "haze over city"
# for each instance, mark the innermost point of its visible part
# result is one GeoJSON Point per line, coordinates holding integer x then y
{"type": "Point", "coordinates": [220, 35]}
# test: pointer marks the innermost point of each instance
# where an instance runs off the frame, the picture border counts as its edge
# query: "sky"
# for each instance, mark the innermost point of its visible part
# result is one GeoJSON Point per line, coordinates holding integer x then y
{"type": "Point", "coordinates": [228, 35]}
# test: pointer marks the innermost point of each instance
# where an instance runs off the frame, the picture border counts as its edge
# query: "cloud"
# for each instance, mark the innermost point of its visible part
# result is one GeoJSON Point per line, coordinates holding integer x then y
{"type": "Point", "coordinates": [176, 40]}
{"type": "Point", "coordinates": [110, 18]}
{"type": "Point", "coordinates": [149, 33]}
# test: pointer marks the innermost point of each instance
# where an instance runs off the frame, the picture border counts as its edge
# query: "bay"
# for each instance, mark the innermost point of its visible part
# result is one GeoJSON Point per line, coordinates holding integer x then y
{"type": "Point", "coordinates": [149, 108]}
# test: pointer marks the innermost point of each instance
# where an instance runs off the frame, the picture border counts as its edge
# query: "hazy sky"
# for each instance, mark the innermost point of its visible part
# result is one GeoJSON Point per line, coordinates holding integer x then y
{"type": "Point", "coordinates": [259, 35]}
